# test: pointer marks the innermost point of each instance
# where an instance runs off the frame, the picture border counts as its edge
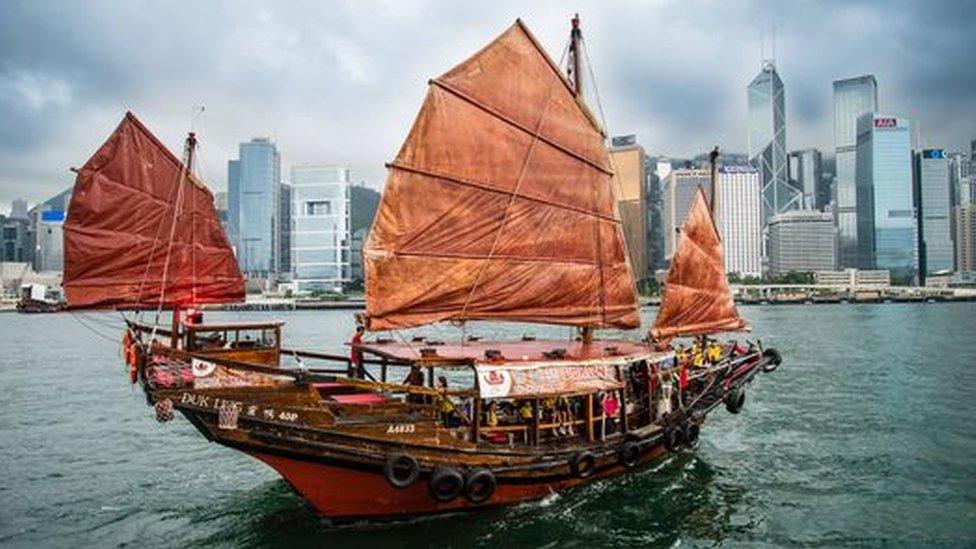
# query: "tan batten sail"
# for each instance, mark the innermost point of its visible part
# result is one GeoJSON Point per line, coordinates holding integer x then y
{"type": "Point", "coordinates": [143, 232]}
{"type": "Point", "coordinates": [500, 205]}
{"type": "Point", "coordinates": [697, 299]}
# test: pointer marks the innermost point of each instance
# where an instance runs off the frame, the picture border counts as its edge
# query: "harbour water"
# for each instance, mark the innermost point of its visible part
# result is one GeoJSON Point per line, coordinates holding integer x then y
{"type": "Point", "coordinates": [865, 436]}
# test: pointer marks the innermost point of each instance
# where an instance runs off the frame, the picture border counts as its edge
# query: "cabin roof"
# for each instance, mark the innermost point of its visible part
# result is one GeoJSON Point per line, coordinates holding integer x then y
{"type": "Point", "coordinates": [513, 352]}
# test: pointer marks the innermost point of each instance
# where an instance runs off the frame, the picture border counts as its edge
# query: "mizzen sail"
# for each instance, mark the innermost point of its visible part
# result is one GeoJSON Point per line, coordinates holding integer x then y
{"type": "Point", "coordinates": [143, 232]}
{"type": "Point", "coordinates": [697, 299]}
{"type": "Point", "coordinates": [499, 205]}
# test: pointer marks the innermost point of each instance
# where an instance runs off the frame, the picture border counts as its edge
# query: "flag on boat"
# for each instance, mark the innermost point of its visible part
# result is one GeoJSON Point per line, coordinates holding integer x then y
{"type": "Point", "coordinates": [499, 205]}
{"type": "Point", "coordinates": [143, 232]}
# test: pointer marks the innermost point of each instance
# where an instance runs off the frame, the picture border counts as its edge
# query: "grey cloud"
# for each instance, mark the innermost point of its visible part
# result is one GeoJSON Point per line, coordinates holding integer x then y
{"type": "Point", "coordinates": [341, 82]}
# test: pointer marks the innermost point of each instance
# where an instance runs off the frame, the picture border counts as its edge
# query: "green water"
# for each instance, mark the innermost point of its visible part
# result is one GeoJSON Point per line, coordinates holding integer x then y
{"type": "Point", "coordinates": [865, 436]}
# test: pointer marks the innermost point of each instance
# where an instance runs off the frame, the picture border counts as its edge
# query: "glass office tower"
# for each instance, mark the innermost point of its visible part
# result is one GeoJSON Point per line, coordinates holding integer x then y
{"type": "Point", "coordinates": [253, 185]}
{"type": "Point", "coordinates": [767, 142]}
{"type": "Point", "coordinates": [320, 236]}
{"type": "Point", "coordinates": [852, 98]}
{"type": "Point", "coordinates": [886, 224]}
{"type": "Point", "coordinates": [806, 171]}
{"type": "Point", "coordinates": [933, 201]}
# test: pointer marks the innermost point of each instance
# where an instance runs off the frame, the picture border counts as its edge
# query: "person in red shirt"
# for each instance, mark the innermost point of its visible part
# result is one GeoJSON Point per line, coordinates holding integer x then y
{"type": "Point", "coordinates": [355, 354]}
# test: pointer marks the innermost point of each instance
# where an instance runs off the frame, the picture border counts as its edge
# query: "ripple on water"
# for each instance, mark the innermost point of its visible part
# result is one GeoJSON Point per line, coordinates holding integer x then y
{"type": "Point", "coordinates": [863, 437]}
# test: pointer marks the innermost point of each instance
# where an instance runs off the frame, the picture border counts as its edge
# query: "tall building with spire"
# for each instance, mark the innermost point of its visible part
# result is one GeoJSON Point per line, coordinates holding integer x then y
{"type": "Point", "coordinates": [767, 142]}
{"type": "Point", "coordinates": [853, 97]}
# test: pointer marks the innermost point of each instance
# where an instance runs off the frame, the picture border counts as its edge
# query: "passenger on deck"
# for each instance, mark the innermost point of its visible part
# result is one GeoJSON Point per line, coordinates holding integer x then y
{"type": "Point", "coordinates": [449, 412]}
{"type": "Point", "coordinates": [564, 417]}
{"type": "Point", "coordinates": [610, 408]}
{"type": "Point", "coordinates": [355, 353]}
{"type": "Point", "coordinates": [416, 379]}
{"type": "Point", "coordinates": [714, 352]}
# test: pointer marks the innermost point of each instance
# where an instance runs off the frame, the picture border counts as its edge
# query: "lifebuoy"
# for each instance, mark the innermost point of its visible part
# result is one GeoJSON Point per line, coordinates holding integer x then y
{"type": "Point", "coordinates": [628, 454]}
{"type": "Point", "coordinates": [690, 433]}
{"type": "Point", "coordinates": [479, 486]}
{"type": "Point", "coordinates": [401, 470]}
{"type": "Point", "coordinates": [583, 464]}
{"type": "Point", "coordinates": [445, 484]}
{"type": "Point", "coordinates": [735, 399]}
{"type": "Point", "coordinates": [672, 439]}
{"type": "Point", "coordinates": [773, 359]}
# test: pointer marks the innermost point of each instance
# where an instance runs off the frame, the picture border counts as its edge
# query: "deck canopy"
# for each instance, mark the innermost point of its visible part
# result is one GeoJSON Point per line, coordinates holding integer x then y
{"type": "Point", "coordinates": [143, 232]}
{"type": "Point", "coordinates": [697, 299]}
{"type": "Point", "coordinates": [500, 204]}
{"type": "Point", "coordinates": [552, 352]}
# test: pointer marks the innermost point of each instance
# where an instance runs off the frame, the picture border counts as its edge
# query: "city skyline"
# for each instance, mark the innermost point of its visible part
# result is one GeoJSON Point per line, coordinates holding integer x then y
{"type": "Point", "coordinates": [346, 96]}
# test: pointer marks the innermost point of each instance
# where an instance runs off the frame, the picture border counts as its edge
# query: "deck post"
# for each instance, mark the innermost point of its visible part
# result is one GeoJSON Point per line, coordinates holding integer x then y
{"type": "Point", "coordinates": [383, 370]}
{"type": "Point", "coordinates": [535, 421]}
{"type": "Point", "coordinates": [622, 409]}
{"type": "Point", "coordinates": [589, 417]}
{"type": "Point", "coordinates": [476, 420]}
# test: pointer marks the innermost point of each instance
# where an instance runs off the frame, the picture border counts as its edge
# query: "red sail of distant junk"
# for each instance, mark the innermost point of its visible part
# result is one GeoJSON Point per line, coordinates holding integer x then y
{"type": "Point", "coordinates": [142, 231]}
{"type": "Point", "coordinates": [499, 205]}
{"type": "Point", "coordinates": [697, 300]}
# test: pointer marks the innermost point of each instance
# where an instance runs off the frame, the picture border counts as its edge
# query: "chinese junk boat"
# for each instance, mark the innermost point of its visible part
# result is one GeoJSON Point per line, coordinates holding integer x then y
{"type": "Point", "coordinates": [498, 207]}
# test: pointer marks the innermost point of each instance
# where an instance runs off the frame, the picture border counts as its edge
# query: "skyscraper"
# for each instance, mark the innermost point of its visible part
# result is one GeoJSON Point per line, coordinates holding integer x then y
{"type": "Point", "coordinates": [802, 241]}
{"type": "Point", "coordinates": [738, 216]}
{"type": "Point", "coordinates": [886, 223]}
{"type": "Point", "coordinates": [767, 142]}
{"type": "Point", "coordinates": [253, 187]}
{"type": "Point", "coordinates": [679, 192]}
{"type": "Point", "coordinates": [852, 98]}
{"type": "Point", "coordinates": [284, 230]}
{"type": "Point", "coordinates": [320, 217]}
{"type": "Point", "coordinates": [965, 237]}
{"type": "Point", "coordinates": [18, 209]}
{"type": "Point", "coordinates": [630, 182]}
{"type": "Point", "coordinates": [655, 229]}
{"type": "Point", "coordinates": [933, 202]}
{"type": "Point", "coordinates": [806, 170]}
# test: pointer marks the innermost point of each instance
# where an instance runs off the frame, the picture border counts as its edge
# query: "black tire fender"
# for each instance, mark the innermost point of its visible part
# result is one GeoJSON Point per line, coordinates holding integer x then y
{"type": "Point", "coordinates": [773, 359]}
{"type": "Point", "coordinates": [690, 433]}
{"type": "Point", "coordinates": [445, 484]}
{"type": "Point", "coordinates": [628, 454]}
{"type": "Point", "coordinates": [673, 439]}
{"type": "Point", "coordinates": [401, 470]}
{"type": "Point", "coordinates": [583, 464]}
{"type": "Point", "coordinates": [479, 485]}
{"type": "Point", "coordinates": [735, 399]}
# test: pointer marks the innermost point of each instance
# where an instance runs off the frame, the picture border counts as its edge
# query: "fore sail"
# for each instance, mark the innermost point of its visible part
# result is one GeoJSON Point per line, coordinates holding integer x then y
{"type": "Point", "coordinates": [142, 231]}
{"type": "Point", "coordinates": [500, 205]}
{"type": "Point", "coordinates": [697, 299]}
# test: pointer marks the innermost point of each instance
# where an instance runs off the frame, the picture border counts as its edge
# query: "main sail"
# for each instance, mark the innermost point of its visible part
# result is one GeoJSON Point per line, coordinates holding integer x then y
{"type": "Point", "coordinates": [697, 299]}
{"type": "Point", "coordinates": [143, 232]}
{"type": "Point", "coordinates": [500, 205]}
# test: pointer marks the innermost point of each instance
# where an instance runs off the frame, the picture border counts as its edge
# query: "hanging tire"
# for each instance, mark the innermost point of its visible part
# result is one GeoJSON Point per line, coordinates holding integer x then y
{"type": "Point", "coordinates": [445, 484]}
{"type": "Point", "coordinates": [735, 399]}
{"type": "Point", "coordinates": [628, 454]}
{"type": "Point", "coordinates": [773, 359]}
{"type": "Point", "coordinates": [401, 470]}
{"type": "Point", "coordinates": [583, 464]}
{"type": "Point", "coordinates": [479, 486]}
{"type": "Point", "coordinates": [672, 439]}
{"type": "Point", "coordinates": [690, 433]}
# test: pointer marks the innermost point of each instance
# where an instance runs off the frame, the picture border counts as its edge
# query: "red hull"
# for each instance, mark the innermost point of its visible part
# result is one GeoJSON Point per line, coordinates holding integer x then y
{"type": "Point", "coordinates": [342, 493]}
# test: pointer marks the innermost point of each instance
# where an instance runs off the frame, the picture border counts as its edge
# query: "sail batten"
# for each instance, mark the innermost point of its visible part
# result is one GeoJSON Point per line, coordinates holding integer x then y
{"type": "Point", "coordinates": [143, 232]}
{"type": "Point", "coordinates": [499, 205]}
{"type": "Point", "coordinates": [697, 299]}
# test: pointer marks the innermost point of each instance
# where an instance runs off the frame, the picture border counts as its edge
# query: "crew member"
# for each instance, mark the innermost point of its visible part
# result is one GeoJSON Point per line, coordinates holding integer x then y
{"type": "Point", "coordinates": [356, 354]}
{"type": "Point", "coordinates": [416, 379]}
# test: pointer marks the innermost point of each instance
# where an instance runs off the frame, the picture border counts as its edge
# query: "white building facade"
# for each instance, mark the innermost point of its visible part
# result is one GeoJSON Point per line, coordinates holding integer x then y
{"type": "Point", "coordinates": [320, 227]}
{"type": "Point", "coordinates": [738, 214]}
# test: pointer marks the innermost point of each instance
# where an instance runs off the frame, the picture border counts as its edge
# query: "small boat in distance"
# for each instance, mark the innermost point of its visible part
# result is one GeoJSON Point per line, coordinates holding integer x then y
{"type": "Point", "coordinates": [498, 207]}
{"type": "Point", "coordinates": [39, 298]}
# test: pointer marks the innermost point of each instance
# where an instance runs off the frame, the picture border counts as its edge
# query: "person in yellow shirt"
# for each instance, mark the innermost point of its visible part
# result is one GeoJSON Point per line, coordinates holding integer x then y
{"type": "Point", "coordinates": [714, 352]}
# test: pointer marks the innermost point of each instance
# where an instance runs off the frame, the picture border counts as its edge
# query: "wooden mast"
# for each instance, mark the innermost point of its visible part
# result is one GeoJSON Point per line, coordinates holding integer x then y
{"type": "Point", "coordinates": [576, 78]}
{"type": "Point", "coordinates": [190, 146]}
{"type": "Point", "coordinates": [713, 160]}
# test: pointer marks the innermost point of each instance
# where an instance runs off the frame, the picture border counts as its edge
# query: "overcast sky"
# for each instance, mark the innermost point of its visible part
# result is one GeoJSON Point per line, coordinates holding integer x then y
{"type": "Point", "coordinates": [340, 82]}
